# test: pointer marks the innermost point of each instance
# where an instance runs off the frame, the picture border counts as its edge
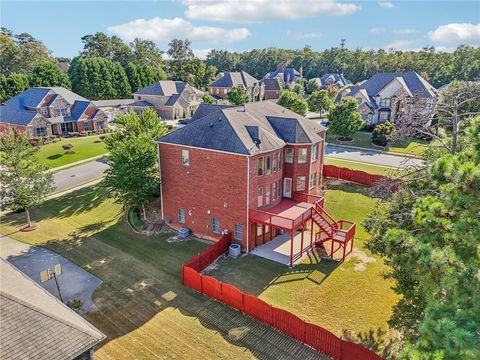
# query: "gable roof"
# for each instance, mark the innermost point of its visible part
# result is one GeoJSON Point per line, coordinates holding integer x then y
{"type": "Point", "coordinates": [272, 84]}
{"type": "Point", "coordinates": [230, 79]}
{"type": "Point", "coordinates": [238, 129]}
{"type": "Point", "coordinates": [286, 74]}
{"type": "Point", "coordinates": [414, 83]}
{"type": "Point", "coordinates": [205, 109]}
{"type": "Point", "coordinates": [333, 78]}
{"type": "Point", "coordinates": [35, 325]}
{"type": "Point", "coordinates": [163, 88]}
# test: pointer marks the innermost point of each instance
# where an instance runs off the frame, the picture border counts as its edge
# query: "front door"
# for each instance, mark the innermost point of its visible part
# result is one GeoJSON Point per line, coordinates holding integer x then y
{"type": "Point", "coordinates": [287, 187]}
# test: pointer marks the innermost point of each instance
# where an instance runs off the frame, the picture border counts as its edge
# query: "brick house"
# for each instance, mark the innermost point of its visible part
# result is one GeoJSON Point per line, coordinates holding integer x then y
{"type": "Point", "coordinates": [331, 80]}
{"type": "Point", "coordinates": [234, 167]}
{"type": "Point", "coordinates": [46, 111]}
{"type": "Point", "coordinates": [275, 81]}
{"type": "Point", "coordinates": [227, 80]}
{"type": "Point", "coordinates": [379, 98]}
{"type": "Point", "coordinates": [171, 99]}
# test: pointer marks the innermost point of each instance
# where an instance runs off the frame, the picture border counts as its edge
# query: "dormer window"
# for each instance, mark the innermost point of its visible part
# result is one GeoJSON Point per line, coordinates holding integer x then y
{"type": "Point", "coordinates": [385, 102]}
{"type": "Point", "coordinates": [61, 112]}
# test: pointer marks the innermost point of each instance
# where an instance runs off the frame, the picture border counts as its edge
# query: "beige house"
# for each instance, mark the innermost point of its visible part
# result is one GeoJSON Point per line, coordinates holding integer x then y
{"type": "Point", "coordinates": [380, 97]}
{"type": "Point", "coordinates": [171, 99]}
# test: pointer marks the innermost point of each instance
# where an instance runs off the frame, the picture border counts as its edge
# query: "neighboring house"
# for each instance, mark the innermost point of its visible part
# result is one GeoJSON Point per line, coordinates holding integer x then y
{"type": "Point", "coordinates": [220, 169]}
{"type": "Point", "coordinates": [328, 80]}
{"type": "Point", "coordinates": [171, 99]}
{"type": "Point", "coordinates": [380, 97]}
{"type": "Point", "coordinates": [227, 80]}
{"type": "Point", "coordinates": [113, 107]}
{"type": "Point", "coordinates": [36, 325]}
{"type": "Point", "coordinates": [278, 80]}
{"type": "Point", "coordinates": [46, 111]}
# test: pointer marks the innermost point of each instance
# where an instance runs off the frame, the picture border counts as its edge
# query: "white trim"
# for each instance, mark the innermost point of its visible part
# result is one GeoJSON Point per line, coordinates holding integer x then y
{"type": "Point", "coordinates": [201, 148]}
{"type": "Point", "coordinates": [248, 204]}
{"type": "Point", "coordinates": [160, 175]}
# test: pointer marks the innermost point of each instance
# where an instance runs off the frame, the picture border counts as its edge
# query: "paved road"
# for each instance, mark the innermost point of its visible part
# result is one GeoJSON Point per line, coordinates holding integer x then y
{"type": "Point", "coordinates": [77, 175]}
{"type": "Point", "coordinates": [74, 282]}
{"type": "Point", "coordinates": [371, 157]}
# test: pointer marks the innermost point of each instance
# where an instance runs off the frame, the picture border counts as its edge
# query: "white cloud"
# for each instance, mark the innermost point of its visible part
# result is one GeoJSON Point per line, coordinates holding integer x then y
{"type": "Point", "coordinates": [386, 4]}
{"type": "Point", "coordinates": [163, 30]}
{"type": "Point", "coordinates": [456, 34]}
{"type": "Point", "coordinates": [292, 35]}
{"type": "Point", "coordinates": [377, 30]}
{"type": "Point", "coordinates": [404, 31]}
{"type": "Point", "coordinates": [251, 11]}
{"type": "Point", "coordinates": [201, 53]}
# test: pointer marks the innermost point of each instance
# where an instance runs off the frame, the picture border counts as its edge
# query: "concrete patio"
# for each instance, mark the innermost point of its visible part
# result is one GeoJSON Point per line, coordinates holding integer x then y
{"type": "Point", "coordinates": [278, 249]}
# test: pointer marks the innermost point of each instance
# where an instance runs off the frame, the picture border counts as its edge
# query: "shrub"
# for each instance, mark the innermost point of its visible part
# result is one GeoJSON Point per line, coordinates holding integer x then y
{"type": "Point", "coordinates": [67, 146]}
{"type": "Point", "coordinates": [69, 152]}
{"type": "Point", "coordinates": [382, 133]}
{"type": "Point", "coordinates": [83, 133]}
{"type": "Point", "coordinates": [102, 137]}
{"type": "Point", "coordinates": [136, 220]}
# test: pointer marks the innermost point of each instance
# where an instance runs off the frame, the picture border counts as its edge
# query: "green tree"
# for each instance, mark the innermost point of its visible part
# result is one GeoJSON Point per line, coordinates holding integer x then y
{"type": "Point", "coordinates": [133, 175]}
{"type": "Point", "coordinates": [12, 85]}
{"type": "Point", "coordinates": [49, 74]}
{"type": "Point", "coordinates": [180, 50]}
{"type": "Point", "coordinates": [98, 78]}
{"type": "Point", "coordinates": [299, 88]}
{"type": "Point", "coordinates": [223, 60]}
{"type": "Point", "coordinates": [25, 182]}
{"type": "Point", "coordinates": [320, 101]}
{"type": "Point", "coordinates": [208, 99]}
{"type": "Point", "coordinates": [312, 86]}
{"type": "Point", "coordinates": [145, 52]}
{"type": "Point", "coordinates": [427, 233]}
{"type": "Point", "coordinates": [103, 46]}
{"type": "Point", "coordinates": [383, 133]}
{"type": "Point", "coordinates": [238, 95]}
{"type": "Point", "coordinates": [140, 76]}
{"type": "Point", "coordinates": [293, 101]}
{"type": "Point", "coordinates": [344, 119]}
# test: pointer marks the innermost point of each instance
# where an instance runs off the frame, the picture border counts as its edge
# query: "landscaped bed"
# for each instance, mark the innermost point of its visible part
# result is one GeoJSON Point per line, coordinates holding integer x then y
{"type": "Point", "coordinates": [53, 154]}
{"type": "Point", "coordinates": [364, 139]}
{"type": "Point", "coordinates": [351, 299]}
{"type": "Point", "coordinates": [141, 305]}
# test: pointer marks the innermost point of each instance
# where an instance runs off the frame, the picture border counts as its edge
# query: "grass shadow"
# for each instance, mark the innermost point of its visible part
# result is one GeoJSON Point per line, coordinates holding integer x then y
{"type": "Point", "coordinates": [54, 157]}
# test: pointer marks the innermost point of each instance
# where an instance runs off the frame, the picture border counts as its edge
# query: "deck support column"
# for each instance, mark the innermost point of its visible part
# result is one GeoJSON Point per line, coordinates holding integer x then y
{"type": "Point", "coordinates": [301, 241]}
{"type": "Point", "coordinates": [311, 233]}
{"type": "Point", "coordinates": [263, 233]}
{"type": "Point", "coordinates": [291, 248]}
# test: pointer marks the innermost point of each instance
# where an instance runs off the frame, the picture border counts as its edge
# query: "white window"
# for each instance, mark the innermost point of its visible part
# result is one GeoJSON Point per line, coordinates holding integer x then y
{"type": "Point", "coordinates": [302, 155]}
{"type": "Point", "coordinates": [181, 216]}
{"type": "Point", "coordinates": [259, 229]}
{"type": "Point", "coordinates": [100, 125]}
{"type": "Point", "coordinates": [279, 160]}
{"type": "Point", "coordinates": [260, 166]}
{"type": "Point", "coordinates": [238, 233]}
{"type": "Point", "coordinates": [300, 183]}
{"type": "Point", "coordinates": [260, 197]}
{"type": "Point", "coordinates": [41, 131]}
{"type": "Point", "coordinates": [269, 165]}
{"type": "Point", "coordinates": [289, 155]}
{"type": "Point", "coordinates": [313, 180]}
{"type": "Point", "coordinates": [61, 112]}
{"type": "Point", "coordinates": [385, 102]}
{"type": "Point", "coordinates": [185, 158]}
{"type": "Point", "coordinates": [314, 152]}
{"type": "Point", "coordinates": [267, 195]}
{"type": "Point", "coordinates": [216, 225]}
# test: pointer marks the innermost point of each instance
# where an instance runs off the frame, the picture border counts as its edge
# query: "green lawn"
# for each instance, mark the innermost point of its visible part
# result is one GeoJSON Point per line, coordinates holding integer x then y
{"type": "Point", "coordinates": [351, 299]}
{"type": "Point", "coordinates": [369, 168]}
{"type": "Point", "coordinates": [364, 139]}
{"type": "Point", "coordinates": [141, 305]}
{"type": "Point", "coordinates": [85, 147]}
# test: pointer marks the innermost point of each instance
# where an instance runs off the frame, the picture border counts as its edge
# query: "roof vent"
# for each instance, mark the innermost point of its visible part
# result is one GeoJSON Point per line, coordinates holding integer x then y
{"type": "Point", "coordinates": [211, 125]}
{"type": "Point", "coordinates": [219, 119]}
{"type": "Point", "coordinates": [257, 141]}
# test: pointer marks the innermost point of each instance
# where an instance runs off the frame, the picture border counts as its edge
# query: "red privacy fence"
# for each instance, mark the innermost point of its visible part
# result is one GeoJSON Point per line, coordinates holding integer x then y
{"type": "Point", "coordinates": [357, 176]}
{"type": "Point", "coordinates": [282, 320]}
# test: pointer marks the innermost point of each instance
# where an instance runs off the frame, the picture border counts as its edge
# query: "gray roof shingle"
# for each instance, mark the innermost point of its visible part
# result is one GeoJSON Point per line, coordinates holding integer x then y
{"type": "Point", "coordinates": [288, 75]}
{"type": "Point", "coordinates": [35, 325]}
{"type": "Point", "coordinates": [230, 79]}
{"type": "Point", "coordinates": [236, 129]}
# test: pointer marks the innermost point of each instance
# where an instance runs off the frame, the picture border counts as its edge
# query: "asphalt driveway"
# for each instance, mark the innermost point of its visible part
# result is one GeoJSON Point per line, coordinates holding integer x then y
{"type": "Point", "coordinates": [74, 282]}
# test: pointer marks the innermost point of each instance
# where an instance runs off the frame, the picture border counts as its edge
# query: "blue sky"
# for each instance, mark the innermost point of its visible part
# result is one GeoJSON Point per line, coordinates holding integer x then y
{"type": "Point", "coordinates": [244, 25]}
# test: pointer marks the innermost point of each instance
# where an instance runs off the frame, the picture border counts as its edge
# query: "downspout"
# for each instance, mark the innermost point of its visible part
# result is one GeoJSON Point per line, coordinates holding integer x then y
{"type": "Point", "coordinates": [248, 204]}
{"type": "Point", "coordinates": [160, 175]}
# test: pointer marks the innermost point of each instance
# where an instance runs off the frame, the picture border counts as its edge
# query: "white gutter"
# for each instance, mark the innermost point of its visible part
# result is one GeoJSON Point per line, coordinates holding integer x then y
{"type": "Point", "coordinates": [160, 175]}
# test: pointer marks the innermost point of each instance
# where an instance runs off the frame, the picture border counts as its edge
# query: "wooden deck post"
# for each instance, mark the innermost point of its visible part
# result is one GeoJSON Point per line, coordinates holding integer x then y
{"type": "Point", "coordinates": [344, 249]}
{"type": "Point", "coordinates": [301, 241]}
{"type": "Point", "coordinates": [291, 248]}
{"type": "Point", "coordinates": [311, 233]}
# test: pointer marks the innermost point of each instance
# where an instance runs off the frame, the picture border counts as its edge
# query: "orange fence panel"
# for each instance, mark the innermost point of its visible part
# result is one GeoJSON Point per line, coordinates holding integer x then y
{"type": "Point", "coordinates": [191, 278]}
{"type": "Point", "coordinates": [257, 308]}
{"type": "Point", "coordinates": [288, 323]}
{"type": "Point", "coordinates": [211, 287]}
{"type": "Point", "coordinates": [323, 340]}
{"type": "Point", "coordinates": [232, 296]}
